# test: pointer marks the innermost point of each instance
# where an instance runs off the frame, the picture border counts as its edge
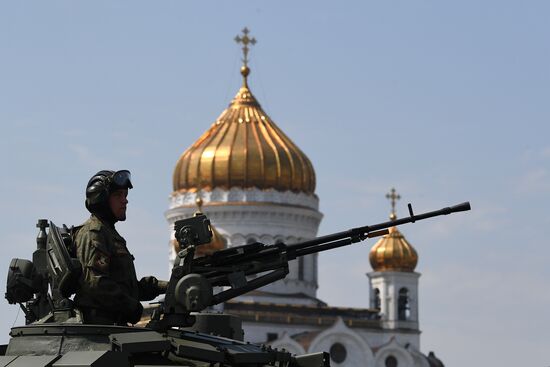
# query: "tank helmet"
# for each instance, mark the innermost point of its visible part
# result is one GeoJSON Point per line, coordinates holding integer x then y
{"type": "Point", "coordinates": [102, 184]}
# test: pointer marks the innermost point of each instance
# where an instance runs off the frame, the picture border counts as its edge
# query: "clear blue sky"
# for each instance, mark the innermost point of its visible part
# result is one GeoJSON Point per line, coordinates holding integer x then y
{"type": "Point", "coordinates": [446, 101]}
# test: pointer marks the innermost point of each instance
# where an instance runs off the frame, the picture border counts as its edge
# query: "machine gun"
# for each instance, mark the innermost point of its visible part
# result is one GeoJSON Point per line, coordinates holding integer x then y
{"type": "Point", "coordinates": [238, 270]}
{"type": "Point", "coordinates": [52, 269]}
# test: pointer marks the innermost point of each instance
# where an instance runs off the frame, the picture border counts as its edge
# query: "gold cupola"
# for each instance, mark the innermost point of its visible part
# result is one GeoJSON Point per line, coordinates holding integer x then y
{"type": "Point", "coordinates": [244, 148]}
{"type": "Point", "coordinates": [393, 252]}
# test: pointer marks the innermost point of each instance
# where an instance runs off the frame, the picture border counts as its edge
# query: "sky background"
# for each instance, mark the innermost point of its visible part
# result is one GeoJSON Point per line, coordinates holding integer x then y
{"type": "Point", "coordinates": [446, 101]}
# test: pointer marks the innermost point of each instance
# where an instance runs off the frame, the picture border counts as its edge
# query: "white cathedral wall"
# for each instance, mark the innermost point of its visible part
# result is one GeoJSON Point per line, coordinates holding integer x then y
{"type": "Point", "coordinates": [339, 332]}
{"type": "Point", "coordinates": [393, 348]}
{"type": "Point", "coordinates": [377, 338]}
{"type": "Point", "coordinates": [358, 350]}
{"type": "Point", "coordinates": [257, 332]}
{"type": "Point", "coordinates": [289, 344]}
{"type": "Point", "coordinates": [268, 216]}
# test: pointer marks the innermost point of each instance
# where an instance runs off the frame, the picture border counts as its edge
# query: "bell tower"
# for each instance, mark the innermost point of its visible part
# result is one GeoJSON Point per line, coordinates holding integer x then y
{"type": "Point", "coordinates": [393, 282]}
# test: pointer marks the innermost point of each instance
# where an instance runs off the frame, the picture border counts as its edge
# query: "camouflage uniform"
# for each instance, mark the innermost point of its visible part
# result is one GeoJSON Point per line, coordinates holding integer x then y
{"type": "Point", "coordinates": [109, 292]}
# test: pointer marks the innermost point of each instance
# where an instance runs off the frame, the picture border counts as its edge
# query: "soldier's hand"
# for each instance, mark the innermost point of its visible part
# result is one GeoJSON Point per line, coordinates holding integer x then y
{"type": "Point", "coordinates": [135, 313]}
{"type": "Point", "coordinates": [148, 288]}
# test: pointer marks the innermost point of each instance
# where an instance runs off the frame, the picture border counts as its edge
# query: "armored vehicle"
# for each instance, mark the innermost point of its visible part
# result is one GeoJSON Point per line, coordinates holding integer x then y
{"type": "Point", "coordinates": [181, 330]}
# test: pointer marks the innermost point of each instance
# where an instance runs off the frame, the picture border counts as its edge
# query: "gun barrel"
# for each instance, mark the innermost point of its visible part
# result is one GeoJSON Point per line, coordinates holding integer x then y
{"type": "Point", "coordinates": [353, 235]}
{"type": "Point", "coordinates": [461, 207]}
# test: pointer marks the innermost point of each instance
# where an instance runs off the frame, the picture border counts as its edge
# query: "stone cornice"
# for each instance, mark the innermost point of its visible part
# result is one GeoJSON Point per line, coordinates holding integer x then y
{"type": "Point", "coordinates": [238, 196]}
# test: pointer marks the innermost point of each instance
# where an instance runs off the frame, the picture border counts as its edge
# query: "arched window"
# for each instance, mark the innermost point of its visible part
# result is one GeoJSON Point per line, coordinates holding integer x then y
{"type": "Point", "coordinates": [377, 303]}
{"type": "Point", "coordinates": [403, 305]}
{"type": "Point", "coordinates": [338, 353]}
{"type": "Point", "coordinates": [251, 240]}
{"type": "Point", "coordinates": [391, 361]}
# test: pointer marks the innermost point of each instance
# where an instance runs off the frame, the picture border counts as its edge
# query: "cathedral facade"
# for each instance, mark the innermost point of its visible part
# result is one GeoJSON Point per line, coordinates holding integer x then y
{"type": "Point", "coordinates": [256, 185]}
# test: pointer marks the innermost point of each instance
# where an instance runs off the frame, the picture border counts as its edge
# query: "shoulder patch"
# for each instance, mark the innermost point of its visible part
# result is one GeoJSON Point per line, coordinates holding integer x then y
{"type": "Point", "coordinates": [101, 262]}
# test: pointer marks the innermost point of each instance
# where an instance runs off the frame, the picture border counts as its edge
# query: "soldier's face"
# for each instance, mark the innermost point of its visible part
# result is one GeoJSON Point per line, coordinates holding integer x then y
{"type": "Point", "coordinates": [118, 200]}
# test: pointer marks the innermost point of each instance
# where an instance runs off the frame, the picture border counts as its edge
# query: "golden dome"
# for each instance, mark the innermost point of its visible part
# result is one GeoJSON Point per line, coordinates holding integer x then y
{"type": "Point", "coordinates": [244, 148]}
{"type": "Point", "coordinates": [393, 253]}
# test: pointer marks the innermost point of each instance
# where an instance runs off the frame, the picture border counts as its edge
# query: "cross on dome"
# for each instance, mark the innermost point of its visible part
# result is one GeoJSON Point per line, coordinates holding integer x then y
{"type": "Point", "coordinates": [245, 41]}
{"type": "Point", "coordinates": [393, 196]}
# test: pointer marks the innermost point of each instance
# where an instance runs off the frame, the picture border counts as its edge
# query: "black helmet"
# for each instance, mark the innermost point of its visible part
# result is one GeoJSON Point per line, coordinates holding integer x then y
{"type": "Point", "coordinates": [102, 184]}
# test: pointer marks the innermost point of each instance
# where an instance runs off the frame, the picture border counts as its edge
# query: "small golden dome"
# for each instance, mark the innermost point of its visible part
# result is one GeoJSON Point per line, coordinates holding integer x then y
{"type": "Point", "coordinates": [244, 148]}
{"type": "Point", "coordinates": [217, 243]}
{"type": "Point", "coordinates": [393, 253]}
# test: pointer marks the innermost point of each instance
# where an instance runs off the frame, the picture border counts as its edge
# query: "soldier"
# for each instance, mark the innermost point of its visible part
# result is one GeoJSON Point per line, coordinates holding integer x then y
{"type": "Point", "coordinates": [109, 292]}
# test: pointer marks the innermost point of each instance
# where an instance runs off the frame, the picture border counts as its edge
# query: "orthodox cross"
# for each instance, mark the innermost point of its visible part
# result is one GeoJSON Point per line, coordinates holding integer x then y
{"type": "Point", "coordinates": [393, 196]}
{"type": "Point", "coordinates": [245, 41]}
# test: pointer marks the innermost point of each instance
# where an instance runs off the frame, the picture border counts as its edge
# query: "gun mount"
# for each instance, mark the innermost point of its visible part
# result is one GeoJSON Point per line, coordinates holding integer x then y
{"type": "Point", "coordinates": [238, 270]}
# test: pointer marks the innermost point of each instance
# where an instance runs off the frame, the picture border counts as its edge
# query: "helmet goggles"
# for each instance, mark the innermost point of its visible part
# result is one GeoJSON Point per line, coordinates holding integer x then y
{"type": "Point", "coordinates": [122, 179]}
